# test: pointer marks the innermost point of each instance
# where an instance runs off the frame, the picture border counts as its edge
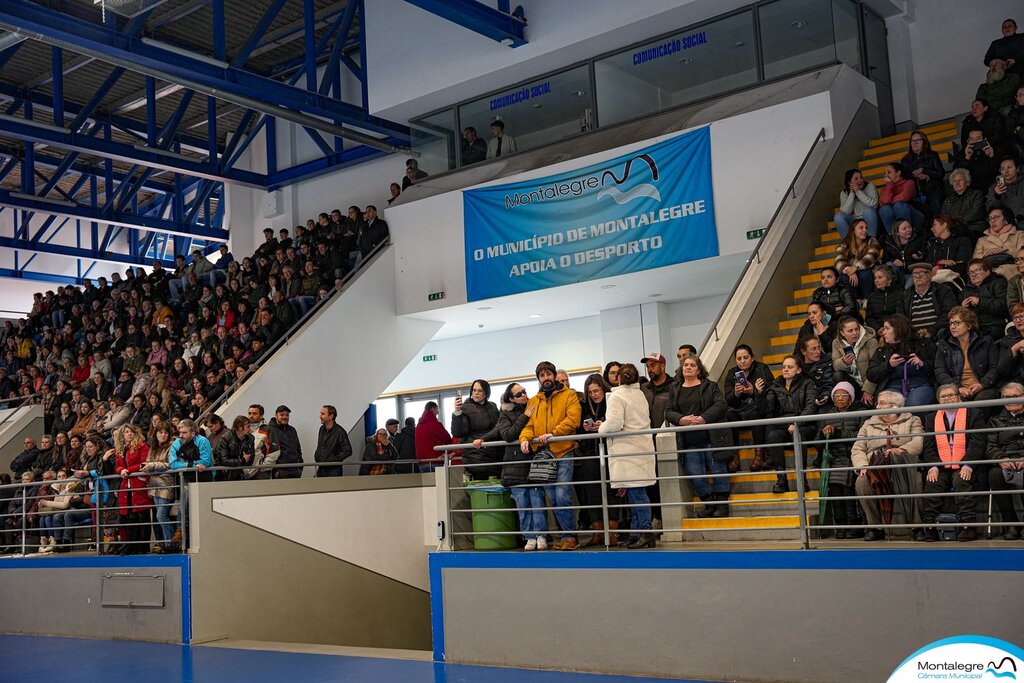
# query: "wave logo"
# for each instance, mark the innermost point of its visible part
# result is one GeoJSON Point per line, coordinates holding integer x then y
{"type": "Point", "coordinates": [996, 669]}
{"type": "Point", "coordinates": [964, 658]}
{"type": "Point", "coordinates": [635, 192]}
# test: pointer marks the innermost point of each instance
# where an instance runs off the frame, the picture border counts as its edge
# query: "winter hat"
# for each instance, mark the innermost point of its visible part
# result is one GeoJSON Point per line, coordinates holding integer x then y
{"type": "Point", "coordinates": [843, 386]}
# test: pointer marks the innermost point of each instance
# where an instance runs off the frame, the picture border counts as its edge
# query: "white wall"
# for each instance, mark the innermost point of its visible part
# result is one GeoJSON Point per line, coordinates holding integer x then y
{"type": "Point", "coordinates": [345, 357]}
{"type": "Point", "coordinates": [419, 62]}
{"type": "Point", "coordinates": [749, 169]}
{"type": "Point", "coordinates": [939, 55]}
{"type": "Point", "coordinates": [350, 526]}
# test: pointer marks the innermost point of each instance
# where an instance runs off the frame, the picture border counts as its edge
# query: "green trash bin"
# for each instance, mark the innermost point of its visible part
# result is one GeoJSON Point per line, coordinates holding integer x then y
{"type": "Point", "coordinates": [496, 513]}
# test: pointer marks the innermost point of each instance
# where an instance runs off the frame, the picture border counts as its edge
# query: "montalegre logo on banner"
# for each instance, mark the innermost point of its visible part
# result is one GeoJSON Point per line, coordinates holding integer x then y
{"type": "Point", "coordinates": [651, 208]}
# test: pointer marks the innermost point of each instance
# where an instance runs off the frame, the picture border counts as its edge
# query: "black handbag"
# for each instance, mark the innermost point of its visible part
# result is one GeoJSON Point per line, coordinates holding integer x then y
{"type": "Point", "coordinates": [543, 468]}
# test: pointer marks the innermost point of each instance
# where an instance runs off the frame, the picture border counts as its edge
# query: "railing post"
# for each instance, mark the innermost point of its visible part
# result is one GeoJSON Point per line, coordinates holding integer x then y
{"type": "Point", "coordinates": [24, 519]}
{"type": "Point", "coordinates": [99, 516]}
{"type": "Point", "coordinates": [604, 493]}
{"type": "Point", "coordinates": [450, 532]}
{"type": "Point", "coordinates": [798, 461]}
{"type": "Point", "coordinates": [182, 512]}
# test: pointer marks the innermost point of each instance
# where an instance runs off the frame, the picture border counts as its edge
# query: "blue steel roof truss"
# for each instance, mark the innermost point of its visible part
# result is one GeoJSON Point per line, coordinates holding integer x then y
{"type": "Point", "coordinates": [162, 180]}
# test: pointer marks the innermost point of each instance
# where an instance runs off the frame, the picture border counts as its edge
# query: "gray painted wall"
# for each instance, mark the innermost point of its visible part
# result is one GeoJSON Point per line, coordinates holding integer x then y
{"type": "Point", "coordinates": [12, 433]}
{"type": "Point", "coordinates": [68, 602]}
{"type": "Point", "coordinates": [735, 625]}
{"type": "Point", "coordinates": [253, 585]}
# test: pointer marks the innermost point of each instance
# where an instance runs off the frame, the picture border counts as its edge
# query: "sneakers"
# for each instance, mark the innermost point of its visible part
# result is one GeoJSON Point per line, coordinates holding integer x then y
{"type": "Point", "coordinates": [542, 543]}
{"type": "Point", "coordinates": [531, 545]}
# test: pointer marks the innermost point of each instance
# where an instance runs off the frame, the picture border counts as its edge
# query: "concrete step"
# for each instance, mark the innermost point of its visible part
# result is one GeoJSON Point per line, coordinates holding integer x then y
{"type": "Point", "coordinates": [929, 130]}
{"type": "Point", "coordinates": [785, 340]}
{"type": "Point", "coordinates": [818, 264]}
{"type": "Point", "coordinates": [875, 166]}
{"type": "Point", "coordinates": [827, 250]}
{"type": "Point", "coordinates": [901, 146]}
{"type": "Point", "coordinates": [791, 324]}
{"type": "Point", "coordinates": [782, 528]}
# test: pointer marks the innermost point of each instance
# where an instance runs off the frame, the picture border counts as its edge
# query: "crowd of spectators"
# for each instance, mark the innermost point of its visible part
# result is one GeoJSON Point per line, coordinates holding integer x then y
{"type": "Point", "coordinates": [125, 368]}
{"type": "Point", "coordinates": [115, 360]}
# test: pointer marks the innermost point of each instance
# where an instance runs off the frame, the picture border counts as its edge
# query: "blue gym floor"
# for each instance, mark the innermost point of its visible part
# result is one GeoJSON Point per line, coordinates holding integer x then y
{"type": "Point", "coordinates": [39, 659]}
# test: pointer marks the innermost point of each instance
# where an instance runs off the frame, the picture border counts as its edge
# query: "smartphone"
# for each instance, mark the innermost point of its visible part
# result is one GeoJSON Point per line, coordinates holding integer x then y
{"type": "Point", "coordinates": [588, 422]}
{"type": "Point", "coordinates": [1000, 180]}
{"type": "Point", "coordinates": [979, 145]}
{"type": "Point", "coordinates": [826, 318]}
{"type": "Point", "coordinates": [741, 377]}
{"type": "Point", "coordinates": [847, 350]}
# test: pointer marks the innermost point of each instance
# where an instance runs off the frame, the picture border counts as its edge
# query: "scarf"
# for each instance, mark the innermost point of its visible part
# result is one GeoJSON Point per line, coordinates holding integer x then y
{"type": "Point", "coordinates": [951, 447]}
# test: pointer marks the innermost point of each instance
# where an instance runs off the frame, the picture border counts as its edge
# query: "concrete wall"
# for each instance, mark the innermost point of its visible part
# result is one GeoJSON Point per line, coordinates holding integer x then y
{"type": "Point", "coordinates": [15, 425]}
{"type": "Point", "coordinates": [936, 51]}
{"type": "Point", "coordinates": [345, 356]}
{"type": "Point", "coordinates": [66, 596]}
{"type": "Point", "coordinates": [338, 561]}
{"type": "Point", "coordinates": [790, 616]}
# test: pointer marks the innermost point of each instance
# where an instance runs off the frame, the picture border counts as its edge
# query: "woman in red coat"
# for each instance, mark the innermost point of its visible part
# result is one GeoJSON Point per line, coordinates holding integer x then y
{"type": "Point", "coordinates": [898, 200]}
{"type": "Point", "coordinates": [133, 499]}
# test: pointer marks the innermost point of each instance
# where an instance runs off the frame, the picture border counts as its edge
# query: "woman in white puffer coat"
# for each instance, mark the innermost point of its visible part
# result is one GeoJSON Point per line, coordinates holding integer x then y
{"type": "Point", "coordinates": [631, 461]}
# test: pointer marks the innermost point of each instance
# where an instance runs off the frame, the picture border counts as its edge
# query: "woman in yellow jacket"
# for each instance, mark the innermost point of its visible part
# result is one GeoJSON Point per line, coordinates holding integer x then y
{"type": "Point", "coordinates": [556, 412]}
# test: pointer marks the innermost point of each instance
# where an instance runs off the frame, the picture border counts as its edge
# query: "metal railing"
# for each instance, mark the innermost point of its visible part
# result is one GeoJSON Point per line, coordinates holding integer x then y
{"type": "Point", "coordinates": [798, 472]}
{"type": "Point", "coordinates": [99, 507]}
{"type": "Point", "coordinates": [339, 288]}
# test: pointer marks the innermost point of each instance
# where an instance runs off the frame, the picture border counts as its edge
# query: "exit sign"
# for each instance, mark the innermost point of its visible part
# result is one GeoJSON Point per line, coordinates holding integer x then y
{"type": "Point", "coordinates": [435, 296]}
{"type": "Point", "coordinates": [427, 359]}
{"type": "Point", "coordinates": [754, 234]}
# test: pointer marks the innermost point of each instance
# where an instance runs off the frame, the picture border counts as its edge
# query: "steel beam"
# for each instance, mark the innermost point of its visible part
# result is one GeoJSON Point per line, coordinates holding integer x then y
{"type": "Point", "coordinates": [507, 29]}
{"type": "Point", "coordinates": [195, 72]}
{"type": "Point", "coordinates": [87, 213]}
{"type": "Point", "coordinates": [76, 142]}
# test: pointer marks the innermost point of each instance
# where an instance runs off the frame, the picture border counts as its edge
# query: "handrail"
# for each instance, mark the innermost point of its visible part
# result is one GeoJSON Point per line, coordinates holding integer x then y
{"type": "Point", "coordinates": [20, 401]}
{"type": "Point", "coordinates": [756, 253]}
{"type": "Point", "coordinates": [346, 280]}
{"type": "Point", "coordinates": [744, 424]}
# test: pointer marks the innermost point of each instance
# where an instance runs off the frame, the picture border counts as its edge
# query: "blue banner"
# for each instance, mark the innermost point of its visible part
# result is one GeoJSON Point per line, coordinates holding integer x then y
{"type": "Point", "coordinates": [651, 208]}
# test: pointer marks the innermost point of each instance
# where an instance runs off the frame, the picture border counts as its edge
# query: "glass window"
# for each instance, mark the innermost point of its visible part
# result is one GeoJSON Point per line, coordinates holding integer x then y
{"type": "Point", "coordinates": [414, 408]}
{"type": "Point", "coordinates": [433, 142]}
{"type": "Point", "coordinates": [537, 113]}
{"type": "Point", "coordinates": [701, 62]}
{"type": "Point", "coordinates": [847, 36]}
{"type": "Point", "coordinates": [795, 35]}
{"type": "Point", "coordinates": [387, 409]}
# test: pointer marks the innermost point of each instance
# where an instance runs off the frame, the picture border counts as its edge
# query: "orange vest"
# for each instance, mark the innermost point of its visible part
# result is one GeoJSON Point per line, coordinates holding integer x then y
{"type": "Point", "coordinates": [956, 453]}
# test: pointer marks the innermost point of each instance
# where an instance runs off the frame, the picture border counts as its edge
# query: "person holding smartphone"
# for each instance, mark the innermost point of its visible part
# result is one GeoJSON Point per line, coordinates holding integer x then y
{"type": "Point", "coordinates": [741, 396]}
{"type": "Point", "coordinates": [1008, 190]}
{"type": "Point", "coordinates": [851, 355]}
{"type": "Point", "coordinates": [472, 419]}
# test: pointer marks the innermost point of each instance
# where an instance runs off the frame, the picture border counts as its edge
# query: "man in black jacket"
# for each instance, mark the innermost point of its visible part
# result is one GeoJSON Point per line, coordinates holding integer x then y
{"type": "Point", "coordinates": [927, 304]}
{"type": "Point", "coordinates": [26, 460]}
{"type": "Point", "coordinates": [332, 444]}
{"type": "Point", "coordinates": [288, 441]}
{"type": "Point", "coordinates": [407, 445]}
{"type": "Point", "coordinates": [373, 233]}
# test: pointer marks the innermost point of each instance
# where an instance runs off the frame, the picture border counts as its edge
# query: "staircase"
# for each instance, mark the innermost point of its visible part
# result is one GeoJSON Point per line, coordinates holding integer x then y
{"type": "Point", "coordinates": [752, 504]}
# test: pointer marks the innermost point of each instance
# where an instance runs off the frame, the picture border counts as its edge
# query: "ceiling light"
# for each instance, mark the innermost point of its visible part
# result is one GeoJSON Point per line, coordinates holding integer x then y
{"type": "Point", "coordinates": [578, 93]}
{"type": "Point", "coordinates": [534, 316]}
{"type": "Point", "coordinates": [800, 23]}
{"type": "Point", "coordinates": [739, 43]}
{"type": "Point", "coordinates": [537, 106]}
{"type": "Point", "coordinates": [655, 295]}
{"type": "Point", "coordinates": [484, 308]}
{"type": "Point", "coordinates": [686, 60]}
{"type": "Point", "coordinates": [607, 286]}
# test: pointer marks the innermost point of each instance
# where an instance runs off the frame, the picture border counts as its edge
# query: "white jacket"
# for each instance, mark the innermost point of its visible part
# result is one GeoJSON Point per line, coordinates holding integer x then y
{"type": "Point", "coordinates": [628, 411]}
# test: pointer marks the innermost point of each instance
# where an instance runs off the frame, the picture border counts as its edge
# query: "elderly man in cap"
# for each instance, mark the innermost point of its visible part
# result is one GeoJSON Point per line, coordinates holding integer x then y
{"type": "Point", "coordinates": [287, 439]}
{"type": "Point", "coordinates": [927, 303]}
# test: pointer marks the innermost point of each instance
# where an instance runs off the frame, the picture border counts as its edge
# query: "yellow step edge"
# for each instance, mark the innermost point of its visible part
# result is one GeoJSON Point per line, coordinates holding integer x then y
{"type": "Point", "coordinates": [797, 309]}
{"type": "Point", "coordinates": [831, 239]}
{"type": "Point", "coordinates": [787, 340]}
{"type": "Point", "coordinates": [814, 278]}
{"type": "Point", "coordinates": [928, 130]}
{"type": "Point", "coordinates": [936, 140]}
{"type": "Point", "coordinates": [818, 264]}
{"type": "Point", "coordinates": [827, 250]}
{"type": "Point", "coordinates": [765, 497]}
{"type": "Point", "coordinates": [803, 293]}
{"type": "Point", "coordinates": [769, 477]}
{"type": "Point", "coordinates": [773, 358]}
{"type": "Point", "coordinates": [945, 144]}
{"type": "Point", "coordinates": [765, 522]}
{"type": "Point", "coordinates": [790, 324]}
